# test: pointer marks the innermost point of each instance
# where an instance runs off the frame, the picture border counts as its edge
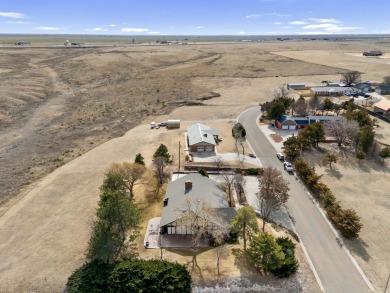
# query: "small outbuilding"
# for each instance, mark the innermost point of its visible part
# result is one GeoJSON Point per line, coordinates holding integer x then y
{"type": "Point", "coordinates": [173, 123]}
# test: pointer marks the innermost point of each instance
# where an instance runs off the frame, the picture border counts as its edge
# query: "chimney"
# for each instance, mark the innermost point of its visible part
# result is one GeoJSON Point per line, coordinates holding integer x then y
{"type": "Point", "coordinates": [188, 184]}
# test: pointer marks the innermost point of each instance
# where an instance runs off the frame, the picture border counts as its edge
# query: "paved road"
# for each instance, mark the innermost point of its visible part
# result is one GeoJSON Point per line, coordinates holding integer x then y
{"type": "Point", "coordinates": [332, 263]}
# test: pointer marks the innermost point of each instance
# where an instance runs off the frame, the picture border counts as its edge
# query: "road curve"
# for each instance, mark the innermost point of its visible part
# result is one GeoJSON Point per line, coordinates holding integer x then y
{"type": "Point", "coordinates": [334, 267]}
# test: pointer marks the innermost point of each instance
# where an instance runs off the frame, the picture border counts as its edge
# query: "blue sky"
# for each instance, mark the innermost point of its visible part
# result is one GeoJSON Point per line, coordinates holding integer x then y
{"type": "Point", "coordinates": [195, 17]}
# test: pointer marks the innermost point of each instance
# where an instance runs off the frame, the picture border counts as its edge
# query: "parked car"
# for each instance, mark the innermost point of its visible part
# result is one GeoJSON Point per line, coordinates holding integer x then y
{"type": "Point", "coordinates": [280, 156]}
{"type": "Point", "coordinates": [288, 167]}
{"type": "Point", "coordinates": [163, 124]}
{"type": "Point", "coordinates": [251, 155]}
{"type": "Point", "coordinates": [152, 125]}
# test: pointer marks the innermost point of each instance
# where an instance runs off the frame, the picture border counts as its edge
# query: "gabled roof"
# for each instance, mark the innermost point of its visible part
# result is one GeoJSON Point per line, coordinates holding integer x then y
{"type": "Point", "coordinates": [198, 133]}
{"type": "Point", "coordinates": [383, 104]}
{"type": "Point", "coordinates": [203, 189]}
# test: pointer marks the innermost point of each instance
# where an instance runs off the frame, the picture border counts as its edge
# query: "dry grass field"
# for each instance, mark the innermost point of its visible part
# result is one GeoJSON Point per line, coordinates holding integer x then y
{"type": "Point", "coordinates": [61, 109]}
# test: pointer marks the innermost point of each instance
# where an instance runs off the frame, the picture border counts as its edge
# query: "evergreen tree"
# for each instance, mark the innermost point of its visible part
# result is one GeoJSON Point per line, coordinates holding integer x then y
{"type": "Point", "coordinates": [139, 159]}
{"type": "Point", "coordinates": [265, 253]}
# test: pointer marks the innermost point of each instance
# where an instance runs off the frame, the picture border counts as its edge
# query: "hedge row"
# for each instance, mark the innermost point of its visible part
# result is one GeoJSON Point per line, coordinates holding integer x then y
{"type": "Point", "coordinates": [346, 220]}
{"type": "Point", "coordinates": [132, 275]}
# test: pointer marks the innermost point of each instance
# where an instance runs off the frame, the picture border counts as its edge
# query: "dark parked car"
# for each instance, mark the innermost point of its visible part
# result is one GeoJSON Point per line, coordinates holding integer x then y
{"type": "Point", "coordinates": [251, 155]}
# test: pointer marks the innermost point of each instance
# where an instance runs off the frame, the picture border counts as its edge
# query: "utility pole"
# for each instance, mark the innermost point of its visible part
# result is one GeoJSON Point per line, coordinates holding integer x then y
{"type": "Point", "coordinates": [179, 155]}
{"type": "Point", "coordinates": [387, 283]}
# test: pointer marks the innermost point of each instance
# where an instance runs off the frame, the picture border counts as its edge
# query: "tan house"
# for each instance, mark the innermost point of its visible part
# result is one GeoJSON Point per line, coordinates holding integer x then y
{"type": "Point", "coordinates": [382, 107]}
{"type": "Point", "coordinates": [201, 138]}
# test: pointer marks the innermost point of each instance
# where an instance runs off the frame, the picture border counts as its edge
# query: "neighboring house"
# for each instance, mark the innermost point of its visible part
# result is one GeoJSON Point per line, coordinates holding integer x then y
{"type": "Point", "coordinates": [382, 107]}
{"type": "Point", "coordinates": [195, 188]}
{"type": "Point", "coordinates": [364, 87]}
{"type": "Point", "coordinates": [287, 122]}
{"type": "Point", "coordinates": [201, 138]}
{"type": "Point", "coordinates": [329, 91]}
{"type": "Point", "coordinates": [383, 89]}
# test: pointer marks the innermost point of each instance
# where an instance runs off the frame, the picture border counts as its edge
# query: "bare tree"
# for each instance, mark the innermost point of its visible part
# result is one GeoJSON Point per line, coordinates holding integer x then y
{"type": "Point", "coordinates": [218, 160]}
{"type": "Point", "coordinates": [351, 77]}
{"type": "Point", "coordinates": [159, 164]}
{"type": "Point", "coordinates": [227, 185]}
{"type": "Point", "coordinates": [273, 192]}
{"type": "Point", "coordinates": [221, 248]}
{"type": "Point", "coordinates": [239, 183]}
{"type": "Point", "coordinates": [300, 107]}
{"type": "Point", "coordinates": [132, 174]}
{"type": "Point", "coordinates": [343, 129]}
{"type": "Point", "coordinates": [198, 217]}
{"type": "Point", "coordinates": [281, 92]}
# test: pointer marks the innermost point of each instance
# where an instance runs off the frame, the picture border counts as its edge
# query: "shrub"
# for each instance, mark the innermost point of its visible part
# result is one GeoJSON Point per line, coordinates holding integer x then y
{"type": "Point", "coordinates": [131, 275]}
{"type": "Point", "coordinates": [328, 199]}
{"type": "Point", "coordinates": [290, 263]}
{"type": "Point", "coordinates": [91, 277]}
{"type": "Point", "coordinates": [136, 275]}
{"type": "Point", "coordinates": [251, 171]}
{"type": "Point", "coordinates": [348, 223]}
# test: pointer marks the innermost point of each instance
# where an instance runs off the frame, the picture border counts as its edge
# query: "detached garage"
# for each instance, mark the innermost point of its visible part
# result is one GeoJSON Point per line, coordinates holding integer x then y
{"type": "Point", "coordinates": [200, 138]}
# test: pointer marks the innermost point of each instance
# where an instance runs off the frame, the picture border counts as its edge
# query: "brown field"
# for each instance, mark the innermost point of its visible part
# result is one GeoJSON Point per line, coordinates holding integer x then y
{"type": "Point", "coordinates": [56, 104]}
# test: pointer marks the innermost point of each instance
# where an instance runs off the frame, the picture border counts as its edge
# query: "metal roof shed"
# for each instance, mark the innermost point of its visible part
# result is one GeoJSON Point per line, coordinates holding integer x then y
{"type": "Point", "coordinates": [173, 123]}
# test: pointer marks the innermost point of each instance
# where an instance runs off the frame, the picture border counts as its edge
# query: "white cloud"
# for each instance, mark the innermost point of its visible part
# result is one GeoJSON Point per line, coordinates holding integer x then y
{"type": "Point", "coordinates": [330, 27]}
{"type": "Point", "coordinates": [17, 22]}
{"type": "Point", "coordinates": [134, 30]}
{"type": "Point", "coordinates": [253, 16]}
{"type": "Point", "coordinates": [298, 22]}
{"type": "Point", "coordinates": [277, 22]}
{"type": "Point", "coordinates": [266, 14]}
{"type": "Point", "coordinates": [96, 29]}
{"type": "Point", "coordinates": [111, 25]}
{"type": "Point", "coordinates": [12, 14]}
{"type": "Point", "coordinates": [199, 27]}
{"type": "Point", "coordinates": [279, 14]}
{"type": "Point", "coordinates": [154, 33]}
{"type": "Point", "coordinates": [312, 33]}
{"type": "Point", "coordinates": [324, 20]}
{"type": "Point", "coordinates": [47, 28]}
{"type": "Point", "coordinates": [286, 26]}
{"type": "Point", "coordinates": [316, 26]}
{"type": "Point", "coordinates": [341, 28]}
{"type": "Point", "coordinates": [242, 33]}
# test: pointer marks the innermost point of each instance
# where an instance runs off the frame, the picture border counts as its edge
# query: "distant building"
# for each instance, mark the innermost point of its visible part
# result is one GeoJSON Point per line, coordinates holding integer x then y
{"type": "Point", "coordinates": [364, 87]}
{"type": "Point", "coordinates": [330, 91]}
{"type": "Point", "coordinates": [288, 122]}
{"type": "Point", "coordinates": [296, 86]}
{"type": "Point", "coordinates": [383, 89]}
